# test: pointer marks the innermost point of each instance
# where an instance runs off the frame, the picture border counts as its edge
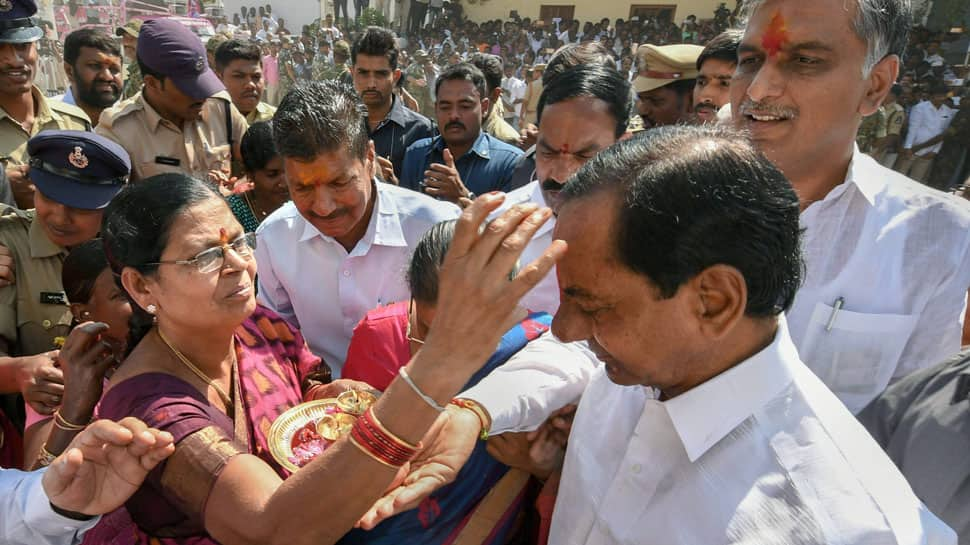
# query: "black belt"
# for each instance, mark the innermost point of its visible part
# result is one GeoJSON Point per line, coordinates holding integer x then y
{"type": "Point", "coordinates": [70, 174]}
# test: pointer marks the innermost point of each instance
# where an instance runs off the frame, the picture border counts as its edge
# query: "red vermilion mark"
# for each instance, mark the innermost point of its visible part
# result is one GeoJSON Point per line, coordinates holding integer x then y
{"type": "Point", "coordinates": [776, 36]}
{"type": "Point", "coordinates": [223, 236]}
{"type": "Point", "coordinates": [564, 150]}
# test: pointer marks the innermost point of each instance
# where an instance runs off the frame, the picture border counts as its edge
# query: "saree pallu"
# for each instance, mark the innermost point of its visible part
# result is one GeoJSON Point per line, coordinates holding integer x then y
{"type": "Point", "coordinates": [168, 509]}
{"type": "Point", "coordinates": [442, 517]}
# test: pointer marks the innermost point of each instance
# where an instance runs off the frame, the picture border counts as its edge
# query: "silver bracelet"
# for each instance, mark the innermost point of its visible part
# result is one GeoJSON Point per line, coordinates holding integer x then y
{"type": "Point", "coordinates": [427, 399]}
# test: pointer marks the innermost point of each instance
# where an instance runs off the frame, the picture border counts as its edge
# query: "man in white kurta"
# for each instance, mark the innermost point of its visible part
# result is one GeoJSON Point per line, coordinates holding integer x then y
{"type": "Point", "coordinates": [887, 259]}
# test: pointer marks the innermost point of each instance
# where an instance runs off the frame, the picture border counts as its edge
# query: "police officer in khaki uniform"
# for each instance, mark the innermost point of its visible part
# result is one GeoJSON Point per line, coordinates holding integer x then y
{"type": "Point", "coordinates": [129, 38]}
{"type": "Point", "coordinates": [183, 120]}
{"type": "Point", "coordinates": [24, 110]}
{"type": "Point", "coordinates": [75, 174]}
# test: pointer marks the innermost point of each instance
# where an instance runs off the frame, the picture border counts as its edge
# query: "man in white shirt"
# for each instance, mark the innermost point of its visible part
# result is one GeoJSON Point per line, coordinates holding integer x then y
{"type": "Point", "coordinates": [513, 91]}
{"type": "Point", "coordinates": [928, 122]}
{"type": "Point", "coordinates": [104, 465]}
{"type": "Point", "coordinates": [341, 247]}
{"type": "Point", "coordinates": [887, 259]}
{"type": "Point", "coordinates": [702, 425]}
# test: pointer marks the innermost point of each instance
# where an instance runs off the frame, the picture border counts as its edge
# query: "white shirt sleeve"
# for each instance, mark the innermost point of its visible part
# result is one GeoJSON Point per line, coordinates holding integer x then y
{"type": "Point", "coordinates": [541, 378]}
{"type": "Point", "coordinates": [26, 516]}
{"type": "Point", "coordinates": [916, 120]}
{"type": "Point", "coordinates": [272, 294]}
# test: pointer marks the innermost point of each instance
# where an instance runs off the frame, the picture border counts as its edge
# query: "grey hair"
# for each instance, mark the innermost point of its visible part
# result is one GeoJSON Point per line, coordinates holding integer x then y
{"type": "Point", "coordinates": [883, 25]}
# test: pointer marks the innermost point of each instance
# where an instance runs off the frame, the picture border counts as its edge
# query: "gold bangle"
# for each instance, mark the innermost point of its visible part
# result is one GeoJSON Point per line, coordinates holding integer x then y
{"type": "Point", "coordinates": [63, 424]}
{"type": "Point", "coordinates": [369, 453]}
{"type": "Point", "coordinates": [476, 408]}
{"type": "Point", "coordinates": [45, 458]}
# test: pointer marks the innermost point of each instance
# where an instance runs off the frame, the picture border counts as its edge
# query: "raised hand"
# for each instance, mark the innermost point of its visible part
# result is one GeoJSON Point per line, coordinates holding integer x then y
{"type": "Point", "coordinates": [104, 465]}
{"type": "Point", "coordinates": [8, 267]}
{"type": "Point", "coordinates": [443, 181]}
{"type": "Point", "coordinates": [448, 445]}
{"type": "Point", "coordinates": [41, 382]}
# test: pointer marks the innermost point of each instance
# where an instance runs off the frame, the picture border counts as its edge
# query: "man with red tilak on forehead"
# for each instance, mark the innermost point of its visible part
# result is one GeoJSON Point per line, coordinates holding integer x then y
{"type": "Point", "coordinates": [887, 261]}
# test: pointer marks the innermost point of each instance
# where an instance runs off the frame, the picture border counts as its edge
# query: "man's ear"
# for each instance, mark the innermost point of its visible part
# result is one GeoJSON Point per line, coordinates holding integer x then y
{"type": "Point", "coordinates": [69, 70]}
{"type": "Point", "coordinates": [880, 81]}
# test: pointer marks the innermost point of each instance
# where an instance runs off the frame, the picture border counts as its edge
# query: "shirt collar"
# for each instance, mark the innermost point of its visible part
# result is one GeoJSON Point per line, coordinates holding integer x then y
{"type": "Point", "coordinates": [397, 113]}
{"type": "Point", "coordinates": [860, 173]}
{"type": "Point", "coordinates": [383, 228]}
{"type": "Point", "coordinates": [479, 148]}
{"type": "Point", "coordinates": [40, 244]}
{"type": "Point", "coordinates": [707, 413]}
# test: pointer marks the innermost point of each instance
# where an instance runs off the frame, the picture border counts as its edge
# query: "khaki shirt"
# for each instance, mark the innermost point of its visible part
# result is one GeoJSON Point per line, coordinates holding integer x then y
{"type": "Point", "coordinates": [51, 114]}
{"type": "Point", "coordinates": [34, 310]}
{"type": "Point", "coordinates": [262, 112]}
{"type": "Point", "coordinates": [895, 117]}
{"type": "Point", "coordinates": [157, 146]}
{"type": "Point", "coordinates": [499, 128]}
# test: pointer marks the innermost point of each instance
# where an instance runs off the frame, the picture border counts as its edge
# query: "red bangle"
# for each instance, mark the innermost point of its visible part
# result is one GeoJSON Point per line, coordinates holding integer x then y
{"type": "Point", "coordinates": [377, 442]}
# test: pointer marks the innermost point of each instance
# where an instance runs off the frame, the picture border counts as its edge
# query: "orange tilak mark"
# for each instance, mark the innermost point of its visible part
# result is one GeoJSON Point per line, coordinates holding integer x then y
{"type": "Point", "coordinates": [564, 149]}
{"type": "Point", "coordinates": [776, 36]}
{"type": "Point", "coordinates": [223, 236]}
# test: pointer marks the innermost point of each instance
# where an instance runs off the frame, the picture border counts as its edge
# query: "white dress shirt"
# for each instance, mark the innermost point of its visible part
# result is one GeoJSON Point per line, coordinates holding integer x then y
{"type": "Point", "coordinates": [543, 377]}
{"type": "Point", "coordinates": [545, 296]}
{"type": "Point", "coordinates": [26, 516]}
{"type": "Point", "coordinates": [896, 253]}
{"type": "Point", "coordinates": [926, 122]}
{"type": "Point", "coordinates": [309, 279]}
{"type": "Point", "coordinates": [763, 453]}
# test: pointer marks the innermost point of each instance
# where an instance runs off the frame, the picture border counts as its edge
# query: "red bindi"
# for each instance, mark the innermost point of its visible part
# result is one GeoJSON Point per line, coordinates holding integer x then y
{"type": "Point", "coordinates": [776, 35]}
{"type": "Point", "coordinates": [564, 149]}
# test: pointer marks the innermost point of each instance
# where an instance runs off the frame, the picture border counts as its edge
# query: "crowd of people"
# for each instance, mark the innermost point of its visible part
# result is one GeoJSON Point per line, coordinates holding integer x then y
{"type": "Point", "coordinates": [611, 280]}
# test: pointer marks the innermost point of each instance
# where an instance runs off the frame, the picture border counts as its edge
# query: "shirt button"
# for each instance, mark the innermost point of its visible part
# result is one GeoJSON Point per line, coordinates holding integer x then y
{"type": "Point", "coordinates": [346, 273]}
{"type": "Point", "coordinates": [47, 324]}
{"type": "Point", "coordinates": [636, 468]}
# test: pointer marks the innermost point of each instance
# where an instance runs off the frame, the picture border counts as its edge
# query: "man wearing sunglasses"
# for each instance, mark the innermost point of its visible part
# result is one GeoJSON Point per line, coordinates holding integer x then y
{"type": "Point", "coordinates": [75, 175]}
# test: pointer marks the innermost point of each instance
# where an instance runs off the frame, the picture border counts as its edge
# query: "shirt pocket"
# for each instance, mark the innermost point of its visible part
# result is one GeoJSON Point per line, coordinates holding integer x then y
{"type": "Point", "coordinates": [857, 357]}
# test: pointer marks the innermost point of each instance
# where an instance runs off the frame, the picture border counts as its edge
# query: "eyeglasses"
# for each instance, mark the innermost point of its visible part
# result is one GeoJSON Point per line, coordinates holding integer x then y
{"type": "Point", "coordinates": [411, 317]}
{"type": "Point", "coordinates": [214, 258]}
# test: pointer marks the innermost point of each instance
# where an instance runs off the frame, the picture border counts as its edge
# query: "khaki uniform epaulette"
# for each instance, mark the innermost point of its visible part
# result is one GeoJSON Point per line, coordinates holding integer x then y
{"type": "Point", "coordinates": [73, 114]}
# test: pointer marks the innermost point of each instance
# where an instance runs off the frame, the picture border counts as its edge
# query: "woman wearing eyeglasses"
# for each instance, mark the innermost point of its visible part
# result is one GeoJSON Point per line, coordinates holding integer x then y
{"type": "Point", "coordinates": [214, 369]}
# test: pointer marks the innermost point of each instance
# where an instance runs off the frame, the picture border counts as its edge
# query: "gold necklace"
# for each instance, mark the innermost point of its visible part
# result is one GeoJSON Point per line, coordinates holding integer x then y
{"type": "Point", "coordinates": [259, 215]}
{"type": "Point", "coordinates": [198, 372]}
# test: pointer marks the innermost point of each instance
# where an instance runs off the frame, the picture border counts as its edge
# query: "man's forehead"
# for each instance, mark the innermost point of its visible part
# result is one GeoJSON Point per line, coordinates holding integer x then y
{"type": "Point", "coordinates": [795, 22]}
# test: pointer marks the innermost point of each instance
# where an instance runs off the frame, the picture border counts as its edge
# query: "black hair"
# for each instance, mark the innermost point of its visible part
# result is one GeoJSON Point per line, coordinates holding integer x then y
{"type": "Point", "coordinates": [234, 49]}
{"type": "Point", "coordinates": [492, 68]}
{"type": "Point", "coordinates": [723, 47]}
{"type": "Point", "coordinates": [257, 146]}
{"type": "Point", "coordinates": [376, 42]}
{"type": "Point", "coordinates": [135, 230]}
{"type": "Point", "coordinates": [427, 258]}
{"type": "Point", "coordinates": [81, 269]}
{"type": "Point", "coordinates": [463, 71]}
{"type": "Point", "coordinates": [590, 80]}
{"type": "Point", "coordinates": [896, 89]}
{"type": "Point", "coordinates": [571, 55]}
{"type": "Point", "coordinates": [692, 197]}
{"type": "Point", "coordinates": [319, 117]}
{"type": "Point", "coordinates": [429, 254]}
{"type": "Point", "coordinates": [89, 37]}
{"type": "Point", "coordinates": [936, 88]}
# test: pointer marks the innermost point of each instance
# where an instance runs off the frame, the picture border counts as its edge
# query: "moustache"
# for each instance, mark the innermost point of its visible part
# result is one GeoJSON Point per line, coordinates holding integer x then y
{"type": "Point", "coordinates": [761, 108]}
{"type": "Point", "coordinates": [331, 216]}
{"type": "Point", "coordinates": [455, 124]}
{"type": "Point", "coordinates": [550, 184]}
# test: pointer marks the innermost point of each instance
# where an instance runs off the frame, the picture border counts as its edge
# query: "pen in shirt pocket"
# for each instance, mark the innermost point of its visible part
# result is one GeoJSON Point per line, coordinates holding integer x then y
{"type": "Point", "coordinates": [836, 307]}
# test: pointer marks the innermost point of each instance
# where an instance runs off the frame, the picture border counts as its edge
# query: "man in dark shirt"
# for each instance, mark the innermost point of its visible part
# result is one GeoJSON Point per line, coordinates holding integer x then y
{"type": "Point", "coordinates": [463, 160]}
{"type": "Point", "coordinates": [392, 126]}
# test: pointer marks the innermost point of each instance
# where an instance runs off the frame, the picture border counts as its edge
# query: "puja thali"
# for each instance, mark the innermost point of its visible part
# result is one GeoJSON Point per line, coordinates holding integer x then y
{"type": "Point", "coordinates": [305, 431]}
